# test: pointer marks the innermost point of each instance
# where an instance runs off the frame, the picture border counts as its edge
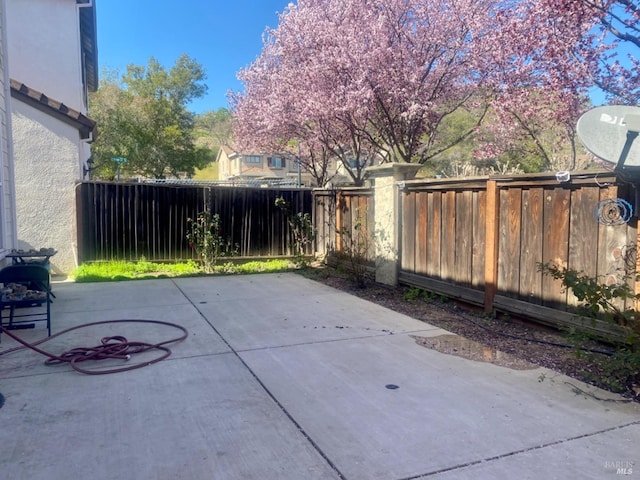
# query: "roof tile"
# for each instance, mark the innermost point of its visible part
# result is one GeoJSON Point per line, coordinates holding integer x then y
{"type": "Point", "coordinates": [53, 107]}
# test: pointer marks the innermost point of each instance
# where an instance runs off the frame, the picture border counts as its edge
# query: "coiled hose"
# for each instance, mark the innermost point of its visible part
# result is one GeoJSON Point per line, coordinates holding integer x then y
{"type": "Point", "coordinates": [113, 347]}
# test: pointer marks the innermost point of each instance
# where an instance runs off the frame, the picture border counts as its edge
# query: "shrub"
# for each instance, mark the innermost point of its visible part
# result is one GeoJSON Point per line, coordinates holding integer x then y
{"type": "Point", "coordinates": [302, 230]}
{"type": "Point", "coordinates": [205, 237]}
{"type": "Point", "coordinates": [619, 372]}
{"type": "Point", "coordinates": [608, 302]}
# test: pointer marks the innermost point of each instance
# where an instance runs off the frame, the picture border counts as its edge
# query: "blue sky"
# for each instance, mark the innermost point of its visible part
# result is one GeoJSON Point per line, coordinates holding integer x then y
{"type": "Point", "coordinates": [222, 35]}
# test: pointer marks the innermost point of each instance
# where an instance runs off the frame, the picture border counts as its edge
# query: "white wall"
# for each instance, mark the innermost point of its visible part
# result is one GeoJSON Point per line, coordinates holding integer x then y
{"type": "Point", "coordinates": [46, 155]}
{"type": "Point", "coordinates": [43, 45]}
{"type": "Point", "coordinates": [7, 204]}
{"type": "Point", "coordinates": [44, 48]}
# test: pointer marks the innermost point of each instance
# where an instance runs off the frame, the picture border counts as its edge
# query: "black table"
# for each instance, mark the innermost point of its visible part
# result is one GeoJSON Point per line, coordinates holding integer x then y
{"type": "Point", "coordinates": [40, 257]}
{"type": "Point", "coordinates": [26, 286]}
{"type": "Point", "coordinates": [33, 257]}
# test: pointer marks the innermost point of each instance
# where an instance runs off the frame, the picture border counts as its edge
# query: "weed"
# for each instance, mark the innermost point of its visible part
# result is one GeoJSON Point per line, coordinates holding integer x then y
{"type": "Point", "coordinates": [424, 295]}
{"type": "Point", "coordinates": [411, 294]}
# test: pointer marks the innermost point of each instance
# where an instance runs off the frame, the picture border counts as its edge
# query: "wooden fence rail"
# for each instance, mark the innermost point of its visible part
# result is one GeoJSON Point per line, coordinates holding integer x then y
{"type": "Point", "coordinates": [131, 221]}
{"type": "Point", "coordinates": [343, 217]}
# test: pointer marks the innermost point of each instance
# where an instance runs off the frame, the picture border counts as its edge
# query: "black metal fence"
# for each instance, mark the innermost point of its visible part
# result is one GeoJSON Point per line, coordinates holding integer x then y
{"type": "Point", "coordinates": [122, 221]}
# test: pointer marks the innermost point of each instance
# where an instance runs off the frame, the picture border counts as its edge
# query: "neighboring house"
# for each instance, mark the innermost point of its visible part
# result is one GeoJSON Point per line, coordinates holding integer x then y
{"type": "Point", "coordinates": [8, 239]}
{"type": "Point", "coordinates": [254, 168]}
{"type": "Point", "coordinates": [52, 62]}
{"type": "Point", "coordinates": [257, 167]}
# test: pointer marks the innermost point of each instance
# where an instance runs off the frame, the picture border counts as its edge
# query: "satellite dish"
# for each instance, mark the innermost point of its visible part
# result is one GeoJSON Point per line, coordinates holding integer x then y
{"type": "Point", "coordinates": [611, 133]}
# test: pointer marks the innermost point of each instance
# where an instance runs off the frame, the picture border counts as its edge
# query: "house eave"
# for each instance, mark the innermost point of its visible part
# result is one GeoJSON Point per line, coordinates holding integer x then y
{"type": "Point", "coordinates": [58, 110]}
{"type": "Point", "coordinates": [89, 41]}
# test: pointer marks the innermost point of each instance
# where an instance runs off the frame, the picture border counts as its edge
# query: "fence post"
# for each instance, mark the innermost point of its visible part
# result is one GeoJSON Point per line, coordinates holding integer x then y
{"type": "Point", "coordinates": [80, 190]}
{"type": "Point", "coordinates": [339, 205]}
{"type": "Point", "coordinates": [491, 244]}
{"type": "Point", "coordinates": [387, 216]}
{"type": "Point", "coordinates": [636, 275]}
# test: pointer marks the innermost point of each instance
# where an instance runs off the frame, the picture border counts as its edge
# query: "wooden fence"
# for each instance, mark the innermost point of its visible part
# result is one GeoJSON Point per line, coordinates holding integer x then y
{"type": "Point", "coordinates": [343, 218]}
{"type": "Point", "coordinates": [481, 240]}
{"type": "Point", "coordinates": [130, 221]}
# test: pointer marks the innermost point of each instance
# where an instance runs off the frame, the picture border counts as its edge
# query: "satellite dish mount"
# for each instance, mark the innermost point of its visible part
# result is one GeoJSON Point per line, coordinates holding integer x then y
{"type": "Point", "coordinates": [633, 129]}
{"type": "Point", "coordinates": [611, 133]}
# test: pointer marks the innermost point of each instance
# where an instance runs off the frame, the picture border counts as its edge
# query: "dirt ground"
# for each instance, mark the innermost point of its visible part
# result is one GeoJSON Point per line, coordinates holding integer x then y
{"type": "Point", "coordinates": [507, 341]}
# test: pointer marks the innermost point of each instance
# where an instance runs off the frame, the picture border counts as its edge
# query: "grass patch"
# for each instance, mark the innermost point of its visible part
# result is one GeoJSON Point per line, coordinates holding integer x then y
{"type": "Point", "coordinates": [269, 266]}
{"type": "Point", "coordinates": [143, 269]}
{"type": "Point", "coordinates": [210, 172]}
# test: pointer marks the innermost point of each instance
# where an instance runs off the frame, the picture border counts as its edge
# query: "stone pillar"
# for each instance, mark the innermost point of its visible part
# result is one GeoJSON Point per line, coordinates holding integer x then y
{"type": "Point", "coordinates": [387, 216]}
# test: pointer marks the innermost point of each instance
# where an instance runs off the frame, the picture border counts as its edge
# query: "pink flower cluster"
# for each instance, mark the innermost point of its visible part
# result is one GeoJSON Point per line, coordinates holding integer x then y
{"type": "Point", "coordinates": [360, 79]}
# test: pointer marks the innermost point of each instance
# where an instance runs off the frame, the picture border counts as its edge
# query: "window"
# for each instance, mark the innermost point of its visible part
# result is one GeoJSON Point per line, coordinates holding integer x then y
{"type": "Point", "coordinates": [353, 163]}
{"type": "Point", "coordinates": [252, 159]}
{"type": "Point", "coordinates": [276, 162]}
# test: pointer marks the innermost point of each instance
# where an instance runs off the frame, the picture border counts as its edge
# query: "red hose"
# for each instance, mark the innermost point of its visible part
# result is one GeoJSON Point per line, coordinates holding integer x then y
{"type": "Point", "coordinates": [114, 347]}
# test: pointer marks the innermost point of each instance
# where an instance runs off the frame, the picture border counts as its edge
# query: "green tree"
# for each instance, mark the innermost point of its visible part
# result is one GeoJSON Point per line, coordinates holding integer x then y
{"type": "Point", "coordinates": [505, 142]}
{"type": "Point", "coordinates": [143, 117]}
{"type": "Point", "coordinates": [212, 131]}
{"type": "Point", "coordinates": [215, 125]}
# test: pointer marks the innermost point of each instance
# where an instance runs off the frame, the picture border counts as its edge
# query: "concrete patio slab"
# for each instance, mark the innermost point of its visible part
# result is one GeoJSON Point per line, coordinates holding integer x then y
{"type": "Point", "coordinates": [196, 418]}
{"type": "Point", "coordinates": [308, 313]}
{"type": "Point", "coordinates": [100, 296]}
{"type": "Point", "coordinates": [260, 390]}
{"type": "Point", "coordinates": [589, 457]}
{"type": "Point", "coordinates": [202, 340]}
{"type": "Point", "coordinates": [250, 287]}
{"type": "Point", "coordinates": [447, 411]}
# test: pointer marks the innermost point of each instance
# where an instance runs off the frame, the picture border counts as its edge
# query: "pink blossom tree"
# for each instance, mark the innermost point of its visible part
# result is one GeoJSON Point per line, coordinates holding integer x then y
{"type": "Point", "coordinates": [367, 79]}
{"type": "Point", "coordinates": [610, 43]}
{"type": "Point", "coordinates": [287, 100]}
{"type": "Point", "coordinates": [266, 121]}
{"type": "Point", "coordinates": [552, 54]}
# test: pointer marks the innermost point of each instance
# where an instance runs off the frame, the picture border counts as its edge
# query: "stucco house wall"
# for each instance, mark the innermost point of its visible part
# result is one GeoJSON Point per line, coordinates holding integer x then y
{"type": "Point", "coordinates": [46, 33]}
{"type": "Point", "coordinates": [52, 63]}
{"type": "Point", "coordinates": [7, 192]}
{"type": "Point", "coordinates": [45, 184]}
